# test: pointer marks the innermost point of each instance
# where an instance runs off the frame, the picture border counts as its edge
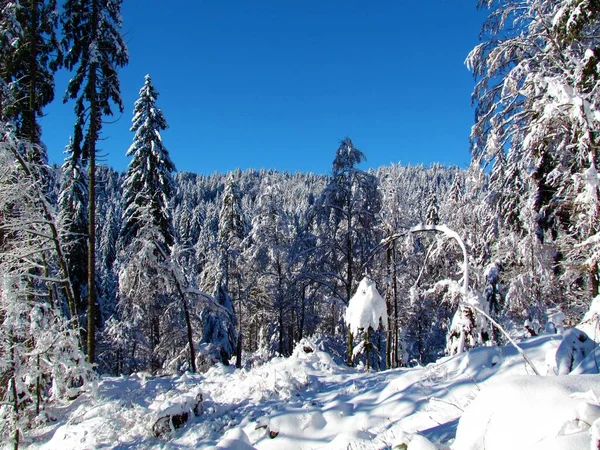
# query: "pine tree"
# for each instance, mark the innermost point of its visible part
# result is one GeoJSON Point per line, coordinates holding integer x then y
{"type": "Point", "coordinates": [95, 49]}
{"type": "Point", "coordinates": [537, 100]}
{"type": "Point", "coordinates": [432, 216]}
{"type": "Point", "coordinates": [72, 219]}
{"type": "Point", "coordinates": [148, 184]}
{"type": "Point", "coordinates": [218, 325]}
{"type": "Point", "coordinates": [346, 213]}
{"type": "Point", "coordinates": [147, 235]}
{"type": "Point", "coordinates": [31, 54]}
{"type": "Point", "coordinates": [231, 233]}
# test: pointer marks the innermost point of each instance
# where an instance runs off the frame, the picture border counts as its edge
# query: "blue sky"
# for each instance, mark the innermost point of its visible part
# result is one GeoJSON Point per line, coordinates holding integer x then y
{"type": "Point", "coordinates": [277, 84]}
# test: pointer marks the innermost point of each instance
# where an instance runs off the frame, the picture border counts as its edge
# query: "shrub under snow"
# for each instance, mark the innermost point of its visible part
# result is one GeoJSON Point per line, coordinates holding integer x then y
{"type": "Point", "coordinates": [573, 349]}
{"type": "Point", "coordinates": [366, 308]}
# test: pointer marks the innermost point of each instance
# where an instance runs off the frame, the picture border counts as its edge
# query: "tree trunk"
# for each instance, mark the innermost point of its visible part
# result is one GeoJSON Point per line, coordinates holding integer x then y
{"type": "Point", "coordinates": [302, 315]}
{"type": "Point", "coordinates": [388, 305]}
{"type": "Point", "coordinates": [594, 280]}
{"type": "Point", "coordinates": [238, 347]}
{"type": "Point", "coordinates": [190, 336]}
{"type": "Point", "coordinates": [349, 263]}
{"type": "Point", "coordinates": [368, 347]}
{"type": "Point", "coordinates": [91, 304]}
{"type": "Point", "coordinates": [92, 139]}
{"type": "Point", "coordinates": [280, 344]}
{"type": "Point", "coordinates": [29, 126]}
{"type": "Point", "coordinates": [14, 392]}
{"type": "Point", "coordinates": [350, 347]}
{"type": "Point", "coordinates": [397, 355]}
{"type": "Point", "coordinates": [188, 322]}
{"type": "Point", "coordinates": [238, 352]}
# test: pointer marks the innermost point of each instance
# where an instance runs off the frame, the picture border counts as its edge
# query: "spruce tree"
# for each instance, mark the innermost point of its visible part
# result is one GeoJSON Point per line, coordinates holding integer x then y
{"type": "Point", "coordinates": [231, 233]}
{"type": "Point", "coordinates": [147, 235]}
{"type": "Point", "coordinates": [30, 57]}
{"type": "Point", "coordinates": [346, 213]}
{"type": "Point", "coordinates": [537, 106]}
{"type": "Point", "coordinates": [148, 183]}
{"type": "Point", "coordinates": [72, 202]}
{"type": "Point", "coordinates": [94, 51]}
{"type": "Point", "coordinates": [432, 216]}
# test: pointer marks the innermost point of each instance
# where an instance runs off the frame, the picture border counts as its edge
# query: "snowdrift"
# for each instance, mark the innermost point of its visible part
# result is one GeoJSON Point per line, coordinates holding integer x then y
{"type": "Point", "coordinates": [486, 398]}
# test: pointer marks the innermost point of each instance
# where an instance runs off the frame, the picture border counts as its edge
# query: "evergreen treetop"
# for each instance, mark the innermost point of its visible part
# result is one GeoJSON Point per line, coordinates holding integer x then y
{"type": "Point", "coordinates": [148, 184]}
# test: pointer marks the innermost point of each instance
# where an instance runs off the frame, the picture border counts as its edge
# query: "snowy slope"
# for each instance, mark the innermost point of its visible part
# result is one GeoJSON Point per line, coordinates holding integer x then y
{"type": "Point", "coordinates": [303, 402]}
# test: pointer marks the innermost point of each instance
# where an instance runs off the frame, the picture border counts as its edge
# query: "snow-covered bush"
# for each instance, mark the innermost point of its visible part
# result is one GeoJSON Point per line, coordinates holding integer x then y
{"type": "Point", "coordinates": [590, 364]}
{"type": "Point", "coordinates": [591, 321]}
{"type": "Point", "coordinates": [469, 328]}
{"type": "Point", "coordinates": [366, 308]}
{"type": "Point", "coordinates": [573, 349]}
{"type": "Point", "coordinates": [366, 312]}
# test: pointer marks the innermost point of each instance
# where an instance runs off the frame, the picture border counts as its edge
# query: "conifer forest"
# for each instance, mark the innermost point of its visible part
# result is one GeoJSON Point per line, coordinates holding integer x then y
{"type": "Point", "coordinates": [166, 272]}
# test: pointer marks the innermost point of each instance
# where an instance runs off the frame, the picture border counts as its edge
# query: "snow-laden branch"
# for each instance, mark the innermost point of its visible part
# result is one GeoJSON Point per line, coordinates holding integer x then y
{"type": "Point", "coordinates": [452, 234]}
{"type": "Point", "coordinates": [464, 303]}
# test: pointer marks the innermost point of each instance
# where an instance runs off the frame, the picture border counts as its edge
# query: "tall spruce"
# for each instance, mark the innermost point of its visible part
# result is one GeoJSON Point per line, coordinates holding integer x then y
{"type": "Point", "coordinates": [537, 100]}
{"type": "Point", "coordinates": [346, 213]}
{"type": "Point", "coordinates": [148, 183]}
{"type": "Point", "coordinates": [95, 50]}
{"type": "Point", "coordinates": [30, 56]}
{"type": "Point", "coordinates": [146, 277]}
{"type": "Point", "coordinates": [232, 231]}
{"type": "Point", "coordinates": [72, 203]}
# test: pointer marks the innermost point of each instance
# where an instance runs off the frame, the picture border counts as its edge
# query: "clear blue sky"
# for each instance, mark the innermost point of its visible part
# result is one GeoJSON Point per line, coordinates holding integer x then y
{"type": "Point", "coordinates": [278, 83]}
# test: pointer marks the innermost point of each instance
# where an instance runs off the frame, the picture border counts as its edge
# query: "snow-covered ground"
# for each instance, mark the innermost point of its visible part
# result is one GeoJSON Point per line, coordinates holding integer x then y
{"type": "Point", "coordinates": [308, 401]}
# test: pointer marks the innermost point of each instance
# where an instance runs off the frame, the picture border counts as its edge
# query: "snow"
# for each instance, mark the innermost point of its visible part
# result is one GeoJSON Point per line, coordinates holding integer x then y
{"type": "Point", "coordinates": [590, 324]}
{"type": "Point", "coordinates": [533, 413]}
{"type": "Point", "coordinates": [574, 348]}
{"type": "Point", "coordinates": [366, 308]}
{"type": "Point", "coordinates": [307, 401]}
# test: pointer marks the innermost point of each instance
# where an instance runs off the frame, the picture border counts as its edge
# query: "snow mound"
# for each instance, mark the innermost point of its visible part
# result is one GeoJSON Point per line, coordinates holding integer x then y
{"type": "Point", "coordinates": [590, 324]}
{"type": "Point", "coordinates": [532, 412]}
{"type": "Point", "coordinates": [573, 349]}
{"type": "Point", "coordinates": [590, 364]}
{"type": "Point", "coordinates": [366, 308]}
{"type": "Point", "coordinates": [235, 439]}
{"type": "Point", "coordinates": [419, 442]}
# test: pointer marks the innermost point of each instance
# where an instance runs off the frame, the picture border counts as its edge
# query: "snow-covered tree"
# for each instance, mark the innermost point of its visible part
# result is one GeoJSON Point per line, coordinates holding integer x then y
{"type": "Point", "coordinates": [146, 275]}
{"type": "Point", "coordinates": [432, 216]}
{"type": "Point", "coordinates": [72, 203]}
{"type": "Point", "coordinates": [346, 214]}
{"type": "Point", "coordinates": [218, 326]}
{"type": "Point", "coordinates": [30, 56]}
{"type": "Point", "coordinates": [537, 101]}
{"type": "Point", "coordinates": [148, 183]}
{"type": "Point", "coordinates": [272, 238]}
{"type": "Point", "coordinates": [94, 50]}
{"type": "Point", "coordinates": [232, 231]}
{"type": "Point", "coordinates": [366, 312]}
{"type": "Point", "coordinates": [40, 356]}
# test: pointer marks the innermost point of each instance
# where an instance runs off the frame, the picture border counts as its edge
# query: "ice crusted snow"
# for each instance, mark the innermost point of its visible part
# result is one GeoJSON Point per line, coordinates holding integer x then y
{"type": "Point", "coordinates": [484, 398]}
{"type": "Point", "coordinates": [366, 308]}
